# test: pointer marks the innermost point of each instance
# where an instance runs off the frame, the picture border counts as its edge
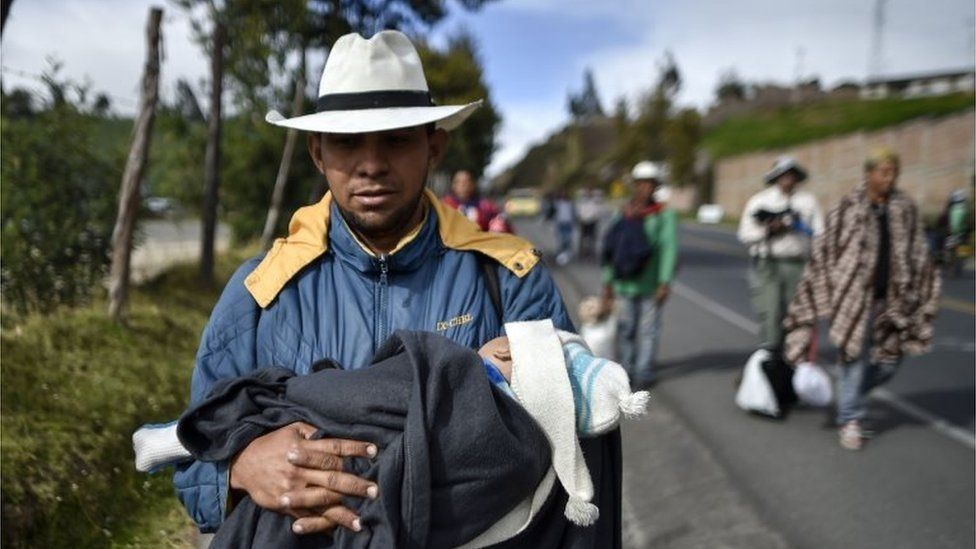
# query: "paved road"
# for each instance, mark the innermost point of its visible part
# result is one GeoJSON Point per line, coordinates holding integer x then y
{"type": "Point", "coordinates": [165, 242]}
{"type": "Point", "coordinates": [788, 482]}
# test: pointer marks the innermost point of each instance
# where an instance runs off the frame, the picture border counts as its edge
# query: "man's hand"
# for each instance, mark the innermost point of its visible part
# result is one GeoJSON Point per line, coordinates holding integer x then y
{"type": "Point", "coordinates": [662, 293]}
{"type": "Point", "coordinates": [285, 472]}
{"type": "Point", "coordinates": [776, 226]}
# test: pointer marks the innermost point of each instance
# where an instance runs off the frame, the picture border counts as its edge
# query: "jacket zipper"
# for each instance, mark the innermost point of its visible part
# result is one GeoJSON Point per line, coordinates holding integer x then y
{"type": "Point", "coordinates": [382, 302]}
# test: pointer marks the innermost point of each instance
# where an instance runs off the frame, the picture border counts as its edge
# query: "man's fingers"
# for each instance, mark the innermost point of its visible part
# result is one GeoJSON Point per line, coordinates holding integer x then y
{"type": "Point", "coordinates": [341, 447]}
{"type": "Point", "coordinates": [332, 517]}
{"type": "Point", "coordinates": [302, 456]}
{"type": "Point", "coordinates": [337, 481]}
{"type": "Point", "coordinates": [310, 498]}
{"type": "Point", "coordinates": [304, 429]}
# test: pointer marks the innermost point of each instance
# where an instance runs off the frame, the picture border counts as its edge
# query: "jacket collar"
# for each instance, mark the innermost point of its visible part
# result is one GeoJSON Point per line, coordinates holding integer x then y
{"type": "Point", "coordinates": [309, 237]}
{"type": "Point", "coordinates": [409, 254]}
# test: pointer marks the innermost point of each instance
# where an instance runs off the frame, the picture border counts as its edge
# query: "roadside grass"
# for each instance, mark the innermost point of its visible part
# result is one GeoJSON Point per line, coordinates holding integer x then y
{"type": "Point", "coordinates": [75, 387]}
{"type": "Point", "coordinates": [792, 125]}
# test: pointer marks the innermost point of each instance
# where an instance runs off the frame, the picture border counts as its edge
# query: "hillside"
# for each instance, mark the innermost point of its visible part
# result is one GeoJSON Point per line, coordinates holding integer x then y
{"type": "Point", "coordinates": [782, 127]}
{"type": "Point", "coordinates": [576, 154]}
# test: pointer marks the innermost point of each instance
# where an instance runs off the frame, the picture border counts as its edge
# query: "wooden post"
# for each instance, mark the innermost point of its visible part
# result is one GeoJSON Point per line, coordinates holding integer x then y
{"type": "Point", "coordinates": [278, 194]}
{"type": "Point", "coordinates": [135, 167]}
{"type": "Point", "coordinates": [212, 161]}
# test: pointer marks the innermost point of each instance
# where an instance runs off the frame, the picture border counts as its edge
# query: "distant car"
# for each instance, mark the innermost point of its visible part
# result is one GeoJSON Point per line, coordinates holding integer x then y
{"type": "Point", "coordinates": [523, 202]}
{"type": "Point", "coordinates": [710, 213]}
{"type": "Point", "coordinates": [162, 206]}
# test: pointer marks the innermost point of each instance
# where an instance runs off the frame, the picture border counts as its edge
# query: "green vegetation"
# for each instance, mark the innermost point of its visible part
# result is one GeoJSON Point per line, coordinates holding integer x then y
{"type": "Point", "coordinates": [596, 150]}
{"type": "Point", "coordinates": [75, 387]}
{"type": "Point", "coordinates": [792, 125]}
{"type": "Point", "coordinates": [58, 208]}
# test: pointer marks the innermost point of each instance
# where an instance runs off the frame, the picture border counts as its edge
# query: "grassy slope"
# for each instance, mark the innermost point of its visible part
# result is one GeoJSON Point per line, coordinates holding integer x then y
{"type": "Point", "coordinates": [75, 387]}
{"type": "Point", "coordinates": [793, 125]}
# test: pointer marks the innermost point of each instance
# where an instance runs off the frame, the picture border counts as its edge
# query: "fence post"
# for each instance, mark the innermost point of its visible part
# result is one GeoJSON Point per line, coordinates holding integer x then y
{"type": "Point", "coordinates": [135, 167]}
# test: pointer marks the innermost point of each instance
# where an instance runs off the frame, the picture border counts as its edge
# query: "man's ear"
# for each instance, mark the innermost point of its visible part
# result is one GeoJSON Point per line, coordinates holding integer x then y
{"type": "Point", "coordinates": [314, 143]}
{"type": "Point", "coordinates": [436, 147]}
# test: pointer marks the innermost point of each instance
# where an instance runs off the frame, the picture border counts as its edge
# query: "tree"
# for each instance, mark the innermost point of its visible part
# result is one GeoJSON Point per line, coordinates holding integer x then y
{"type": "Point", "coordinates": [586, 104]}
{"type": "Point", "coordinates": [730, 87]}
{"type": "Point", "coordinates": [186, 104]}
{"type": "Point", "coordinates": [659, 133]}
{"type": "Point", "coordinates": [455, 76]}
{"type": "Point", "coordinates": [212, 158]}
{"type": "Point", "coordinates": [58, 200]}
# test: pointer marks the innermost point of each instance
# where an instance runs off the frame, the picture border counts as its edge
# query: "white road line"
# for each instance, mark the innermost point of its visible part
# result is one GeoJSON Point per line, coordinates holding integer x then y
{"type": "Point", "coordinates": [716, 308]}
{"type": "Point", "coordinates": [938, 424]}
{"type": "Point", "coordinates": [942, 426]}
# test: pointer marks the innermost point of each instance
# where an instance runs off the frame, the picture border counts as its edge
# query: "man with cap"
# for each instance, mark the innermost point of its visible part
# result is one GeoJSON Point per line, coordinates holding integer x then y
{"type": "Point", "coordinates": [778, 225]}
{"type": "Point", "coordinates": [377, 254]}
{"type": "Point", "coordinates": [640, 253]}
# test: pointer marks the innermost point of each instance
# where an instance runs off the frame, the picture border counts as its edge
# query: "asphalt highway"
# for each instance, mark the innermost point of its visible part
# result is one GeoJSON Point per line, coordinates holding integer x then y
{"type": "Point", "coordinates": [702, 473]}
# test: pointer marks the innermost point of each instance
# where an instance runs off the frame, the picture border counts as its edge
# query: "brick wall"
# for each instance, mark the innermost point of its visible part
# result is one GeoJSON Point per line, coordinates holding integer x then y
{"type": "Point", "coordinates": [937, 157]}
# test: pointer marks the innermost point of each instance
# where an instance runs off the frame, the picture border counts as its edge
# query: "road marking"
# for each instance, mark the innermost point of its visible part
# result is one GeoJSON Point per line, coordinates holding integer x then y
{"type": "Point", "coordinates": [958, 305]}
{"type": "Point", "coordinates": [942, 426]}
{"type": "Point", "coordinates": [702, 242]}
{"type": "Point", "coordinates": [938, 424]}
{"type": "Point", "coordinates": [716, 308]}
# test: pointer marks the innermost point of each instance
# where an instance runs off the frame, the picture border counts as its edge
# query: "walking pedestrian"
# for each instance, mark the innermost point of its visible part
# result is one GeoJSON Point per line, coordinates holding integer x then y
{"type": "Point", "coordinates": [952, 232]}
{"type": "Point", "coordinates": [778, 225]}
{"type": "Point", "coordinates": [465, 198]}
{"type": "Point", "coordinates": [871, 275]}
{"type": "Point", "coordinates": [640, 252]}
{"type": "Point", "coordinates": [564, 217]}
{"type": "Point", "coordinates": [589, 209]}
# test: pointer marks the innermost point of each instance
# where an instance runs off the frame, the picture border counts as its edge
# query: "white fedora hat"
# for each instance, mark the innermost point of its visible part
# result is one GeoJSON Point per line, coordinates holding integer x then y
{"type": "Point", "coordinates": [374, 85]}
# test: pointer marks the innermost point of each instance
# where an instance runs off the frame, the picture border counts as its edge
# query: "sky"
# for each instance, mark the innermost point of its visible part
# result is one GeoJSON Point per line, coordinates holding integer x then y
{"type": "Point", "coordinates": [535, 51]}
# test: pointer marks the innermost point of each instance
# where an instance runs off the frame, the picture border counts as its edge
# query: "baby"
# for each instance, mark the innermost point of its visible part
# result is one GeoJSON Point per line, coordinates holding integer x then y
{"type": "Point", "coordinates": [598, 403]}
{"type": "Point", "coordinates": [600, 388]}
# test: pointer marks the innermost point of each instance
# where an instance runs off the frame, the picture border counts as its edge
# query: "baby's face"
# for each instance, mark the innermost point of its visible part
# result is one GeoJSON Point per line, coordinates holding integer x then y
{"type": "Point", "coordinates": [498, 353]}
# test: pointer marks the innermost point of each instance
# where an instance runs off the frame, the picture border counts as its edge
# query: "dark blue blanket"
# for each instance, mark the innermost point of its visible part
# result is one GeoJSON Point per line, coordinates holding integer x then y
{"type": "Point", "coordinates": [455, 454]}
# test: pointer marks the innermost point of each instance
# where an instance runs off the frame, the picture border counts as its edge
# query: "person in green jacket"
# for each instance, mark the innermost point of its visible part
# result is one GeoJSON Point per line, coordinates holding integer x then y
{"type": "Point", "coordinates": [639, 297]}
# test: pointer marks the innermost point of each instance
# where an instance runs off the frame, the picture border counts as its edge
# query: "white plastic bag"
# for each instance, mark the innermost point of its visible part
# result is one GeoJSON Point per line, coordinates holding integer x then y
{"type": "Point", "coordinates": [755, 394]}
{"type": "Point", "coordinates": [812, 384]}
{"type": "Point", "coordinates": [600, 336]}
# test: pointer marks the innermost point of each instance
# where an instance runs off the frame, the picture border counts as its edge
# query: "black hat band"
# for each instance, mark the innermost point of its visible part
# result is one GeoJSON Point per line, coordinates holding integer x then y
{"type": "Point", "coordinates": [373, 100]}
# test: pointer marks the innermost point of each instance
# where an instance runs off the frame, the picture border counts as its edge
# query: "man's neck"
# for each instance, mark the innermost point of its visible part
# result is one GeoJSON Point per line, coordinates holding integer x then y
{"type": "Point", "coordinates": [385, 244]}
{"type": "Point", "coordinates": [878, 198]}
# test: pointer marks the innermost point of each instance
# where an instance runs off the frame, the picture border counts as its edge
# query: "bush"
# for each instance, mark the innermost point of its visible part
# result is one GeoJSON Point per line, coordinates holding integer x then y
{"type": "Point", "coordinates": [75, 387]}
{"type": "Point", "coordinates": [58, 209]}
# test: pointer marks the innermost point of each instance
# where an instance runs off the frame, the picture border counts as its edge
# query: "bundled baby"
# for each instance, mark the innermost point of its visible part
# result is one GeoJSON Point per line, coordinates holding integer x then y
{"type": "Point", "coordinates": [552, 374]}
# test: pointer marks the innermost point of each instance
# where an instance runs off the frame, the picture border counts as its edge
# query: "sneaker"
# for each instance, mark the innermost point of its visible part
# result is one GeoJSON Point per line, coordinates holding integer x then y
{"type": "Point", "coordinates": [851, 436]}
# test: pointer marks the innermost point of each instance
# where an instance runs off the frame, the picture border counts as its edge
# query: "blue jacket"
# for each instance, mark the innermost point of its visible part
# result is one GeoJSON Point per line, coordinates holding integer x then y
{"type": "Point", "coordinates": [320, 294]}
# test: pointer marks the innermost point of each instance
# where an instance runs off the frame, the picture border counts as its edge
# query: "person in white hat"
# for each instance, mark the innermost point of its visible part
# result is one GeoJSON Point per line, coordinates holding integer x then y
{"type": "Point", "coordinates": [778, 225]}
{"type": "Point", "coordinates": [640, 252]}
{"type": "Point", "coordinates": [377, 254]}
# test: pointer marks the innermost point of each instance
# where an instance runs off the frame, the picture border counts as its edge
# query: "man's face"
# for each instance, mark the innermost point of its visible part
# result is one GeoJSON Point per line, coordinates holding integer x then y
{"type": "Point", "coordinates": [881, 179]}
{"type": "Point", "coordinates": [644, 190]}
{"type": "Point", "coordinates": [787, 182]}
{"type": "Point", "coordinates": [463, 186]}
{"type": "Point", "coordinates": [377, 179]}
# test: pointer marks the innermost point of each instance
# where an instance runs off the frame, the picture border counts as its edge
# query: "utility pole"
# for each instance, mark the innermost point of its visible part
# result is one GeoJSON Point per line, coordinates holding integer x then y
{"type": "Point", "coordinates": [876, 58]}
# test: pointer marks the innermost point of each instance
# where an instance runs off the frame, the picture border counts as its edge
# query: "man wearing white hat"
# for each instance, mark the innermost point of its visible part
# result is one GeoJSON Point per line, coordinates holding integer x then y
{"type": "Point", "coordinates": [640, 253]}
{"type": "Point", "coordinates": [377, 254]}
{"type": "Point", "coordinates": [778, 224]}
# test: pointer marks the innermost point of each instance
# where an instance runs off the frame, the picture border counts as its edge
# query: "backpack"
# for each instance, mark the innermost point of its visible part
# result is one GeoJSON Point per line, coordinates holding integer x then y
{"type": "Point", "coordinates": [626, 248]}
